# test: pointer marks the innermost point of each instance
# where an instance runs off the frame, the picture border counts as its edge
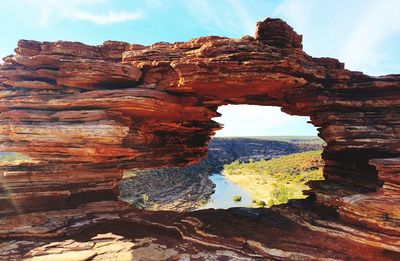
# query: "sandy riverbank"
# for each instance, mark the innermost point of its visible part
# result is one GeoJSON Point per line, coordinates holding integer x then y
{"type": "Point", "coordinates": [262, 188]}
{"type": "Point", "coordinates": [277, 180]}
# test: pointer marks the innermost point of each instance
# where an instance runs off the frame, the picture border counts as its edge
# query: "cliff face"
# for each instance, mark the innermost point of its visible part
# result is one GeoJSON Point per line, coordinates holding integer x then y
{"type": "Point", "coordinates": [84, 113]}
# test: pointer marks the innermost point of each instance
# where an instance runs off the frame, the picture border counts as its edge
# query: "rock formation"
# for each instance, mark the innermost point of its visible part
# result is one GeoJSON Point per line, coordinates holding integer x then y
{"type": "Point", "coordinates": [85, 113]}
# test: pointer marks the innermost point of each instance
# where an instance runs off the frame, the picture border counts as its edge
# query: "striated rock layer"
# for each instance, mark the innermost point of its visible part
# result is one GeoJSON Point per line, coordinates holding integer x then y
{"type": "Point", "coordinates": [85, 113]}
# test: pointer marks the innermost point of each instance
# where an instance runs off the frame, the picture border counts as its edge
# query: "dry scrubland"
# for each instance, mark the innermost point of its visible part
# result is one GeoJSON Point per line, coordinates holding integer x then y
{"type": "Point", "coordinates": [277, 180]}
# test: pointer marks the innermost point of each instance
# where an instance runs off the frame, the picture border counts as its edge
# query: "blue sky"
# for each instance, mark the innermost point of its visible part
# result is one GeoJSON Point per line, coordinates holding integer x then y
{"type": "Point", "coordinates": [365, 34]}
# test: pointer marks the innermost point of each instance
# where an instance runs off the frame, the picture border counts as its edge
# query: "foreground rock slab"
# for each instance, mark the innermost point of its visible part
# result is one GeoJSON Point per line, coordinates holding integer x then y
{"type": "Point", "coordinates": [115, 231]}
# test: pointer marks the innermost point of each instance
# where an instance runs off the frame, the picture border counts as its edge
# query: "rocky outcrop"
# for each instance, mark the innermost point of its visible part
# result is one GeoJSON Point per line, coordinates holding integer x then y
{"type": "Point", "coordinates": [85, 113]}
{"type": "Point", "coordinates": [103, 230]}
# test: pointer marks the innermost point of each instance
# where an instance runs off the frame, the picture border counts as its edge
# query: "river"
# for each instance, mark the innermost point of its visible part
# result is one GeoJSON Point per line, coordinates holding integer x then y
{"type": "Point", "coordinates": [224, 192]}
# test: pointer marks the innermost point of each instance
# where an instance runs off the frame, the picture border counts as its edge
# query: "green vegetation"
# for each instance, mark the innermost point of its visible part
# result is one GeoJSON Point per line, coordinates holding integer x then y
{"type": "Point", "coordinates": [237, 198]}
{"type": "Point", "coordinates": [260, 203]}
{"type": "Point", "coordinates": [13, 158]}
{"type": "Point", "coordinates": [145, 199]}
{"type": "Point", "coordinates": [277, 180]}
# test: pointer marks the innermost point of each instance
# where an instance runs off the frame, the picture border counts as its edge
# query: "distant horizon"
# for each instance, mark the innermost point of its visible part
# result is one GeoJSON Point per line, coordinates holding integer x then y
{"type": "Point", "coordinates": [286, 136]}
{"type": "Point", "coordinates": [254, 120]}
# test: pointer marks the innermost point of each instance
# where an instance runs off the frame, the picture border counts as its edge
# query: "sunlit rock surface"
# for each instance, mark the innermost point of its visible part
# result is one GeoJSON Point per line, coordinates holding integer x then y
{"type": "Point", "coordinates": [85, 113]}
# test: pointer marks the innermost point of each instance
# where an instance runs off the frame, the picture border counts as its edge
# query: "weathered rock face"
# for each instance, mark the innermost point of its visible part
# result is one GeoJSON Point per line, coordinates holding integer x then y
{"type": "Point", "coordinates": [85, 113]}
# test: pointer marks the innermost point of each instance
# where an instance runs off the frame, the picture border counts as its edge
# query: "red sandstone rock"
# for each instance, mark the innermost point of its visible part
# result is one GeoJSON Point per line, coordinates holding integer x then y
{"type": "Point", "coordinates": [85, 113]}
{"type": "Point", "coordinates": [275, 32]}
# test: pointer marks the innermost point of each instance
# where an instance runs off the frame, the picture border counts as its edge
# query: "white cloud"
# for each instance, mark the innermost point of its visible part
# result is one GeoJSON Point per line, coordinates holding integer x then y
{"type": "Point", "coordinates": [55, 10]}
{"type": "Point", "coordinates": [109, 18]}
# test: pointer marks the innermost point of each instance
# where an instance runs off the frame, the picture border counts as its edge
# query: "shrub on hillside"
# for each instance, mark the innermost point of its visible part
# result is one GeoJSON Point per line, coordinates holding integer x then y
{"type": "Point", "coordinates": [260, 203]}
{"type": "Point", "coordinates": [237, 198]}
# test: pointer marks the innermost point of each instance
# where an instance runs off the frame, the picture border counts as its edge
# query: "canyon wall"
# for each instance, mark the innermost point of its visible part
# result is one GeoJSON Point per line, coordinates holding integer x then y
{"type": "Point", "coordinates": [85, 113]}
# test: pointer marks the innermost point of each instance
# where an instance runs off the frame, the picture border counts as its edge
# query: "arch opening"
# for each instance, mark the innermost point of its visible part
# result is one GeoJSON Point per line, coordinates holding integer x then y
{"type": "Point", "coordinates": [261, 157]}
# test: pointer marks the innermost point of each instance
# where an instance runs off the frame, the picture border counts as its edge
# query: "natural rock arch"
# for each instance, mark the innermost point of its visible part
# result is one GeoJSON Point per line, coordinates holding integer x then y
{"type": "Point", "coordinates": [85, 113]}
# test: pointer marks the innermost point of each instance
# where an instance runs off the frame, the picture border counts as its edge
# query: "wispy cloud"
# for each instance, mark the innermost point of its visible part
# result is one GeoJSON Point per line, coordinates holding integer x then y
{"type": "Point", "coordinates": [353, 31]}
{"type": "Point", "coordinates": [226, 15]}
{"type": "Point", "coordinates": [110, 18]}
{"type": "Point", "coordinates": [244, 17]}
{"type": "Point", "coordinates": [205, 13]}
{"type": "Point", "coordinates": [379, 21]}
{"type": "Point", "coordinates": [54, 10]}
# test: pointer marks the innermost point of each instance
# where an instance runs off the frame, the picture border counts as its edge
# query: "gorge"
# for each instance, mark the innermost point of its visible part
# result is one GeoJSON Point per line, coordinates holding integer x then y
{"type": "Point", "coordinates": [86, 113]}
{"type": "Point", "coordinates": [202, 185]}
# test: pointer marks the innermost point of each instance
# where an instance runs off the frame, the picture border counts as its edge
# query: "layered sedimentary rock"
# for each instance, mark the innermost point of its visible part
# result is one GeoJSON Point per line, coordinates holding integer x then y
{"type": "Point", "coordinates": [85, 113]}
{"type": "Point", "coordinates": [298, 231]}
